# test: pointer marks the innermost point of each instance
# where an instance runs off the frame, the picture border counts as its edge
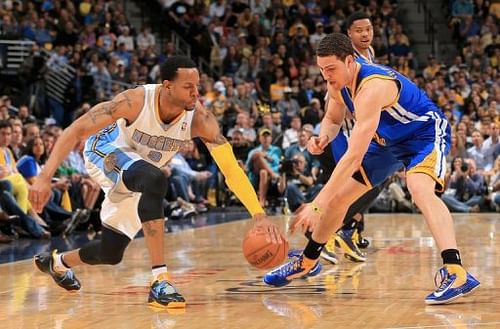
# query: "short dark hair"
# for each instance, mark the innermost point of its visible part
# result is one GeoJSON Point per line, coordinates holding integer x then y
{"type": "Point", "coordinates": [336, 44]}
{"type": "Point", "coordinates": [172, 64]}
{"type": "Point", "coordinates": [5, 124]}
{"type": "Point", "coordinates": [357, 15]}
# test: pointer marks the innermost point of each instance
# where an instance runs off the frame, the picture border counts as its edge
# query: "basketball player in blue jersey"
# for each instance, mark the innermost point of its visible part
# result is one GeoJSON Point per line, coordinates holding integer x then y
{"type": "Point", "coordinates": [395, 123]}
{"type": "Point", "coordinates": [128, 140]}
{"type": "Point", "coordinates": [360, 31]}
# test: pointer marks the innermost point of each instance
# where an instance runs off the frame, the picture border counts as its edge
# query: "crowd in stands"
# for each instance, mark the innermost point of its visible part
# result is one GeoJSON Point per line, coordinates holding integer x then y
{"type": "Point", "coordinates": [263, 86]}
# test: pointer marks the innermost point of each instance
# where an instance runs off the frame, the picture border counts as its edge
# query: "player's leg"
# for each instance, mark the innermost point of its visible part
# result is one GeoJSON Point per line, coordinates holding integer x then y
{"type": "Point", "coordinates": [108, 250]}
{"type": "Point", "coordinates": [150, 181]}
{"type": "Point", "coordinates": [378, 164]}
{"type": "Point", "coordinates": [356, 212]}
{"type": "Point", "coordinates": [425, 171]}
{"type": "Point", "coordinates": [348, 236]}
{"type": "Point", "coordinates": [455, 281]}
{"type": "Point", "coordinates": [301, 266]}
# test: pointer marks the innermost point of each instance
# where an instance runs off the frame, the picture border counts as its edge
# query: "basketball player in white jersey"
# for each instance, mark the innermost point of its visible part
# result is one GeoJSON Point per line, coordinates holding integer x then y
{"type": "Point", "coordinates": [128, 140]}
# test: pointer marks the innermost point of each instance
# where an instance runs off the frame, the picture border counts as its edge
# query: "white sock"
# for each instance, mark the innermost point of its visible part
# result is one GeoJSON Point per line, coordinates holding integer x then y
{"type": "Point", "coordinates": [59, 265]}
{"type": "Point", "coordinates": [159, 270]}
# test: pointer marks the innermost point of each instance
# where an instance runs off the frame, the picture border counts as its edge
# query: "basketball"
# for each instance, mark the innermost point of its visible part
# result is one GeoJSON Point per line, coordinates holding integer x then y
{"type": "Point", "coordinates": [262, 254]}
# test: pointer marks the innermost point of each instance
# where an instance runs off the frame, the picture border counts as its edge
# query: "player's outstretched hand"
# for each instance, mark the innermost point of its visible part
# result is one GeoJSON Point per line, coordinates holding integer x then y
{"type": "Point", "coordinates": [316, 145]}
{"type": "Point", "coordinates": [263, 224]}
{"type": "Point", "coordinates": [304, 219]}
{"type": "Point", "coordinates": [39, 193]}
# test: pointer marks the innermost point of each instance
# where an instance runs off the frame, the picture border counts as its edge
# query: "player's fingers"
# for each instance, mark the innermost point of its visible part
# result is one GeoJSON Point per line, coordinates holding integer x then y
{"type": "Point", "coordinates": [322, 142]}
{"type": "Point", "coordinates": [294, 223]}
{"type": "Point", "coordinates": [275, 235]}
{"type": "Point", "coordinates": [33, 197]}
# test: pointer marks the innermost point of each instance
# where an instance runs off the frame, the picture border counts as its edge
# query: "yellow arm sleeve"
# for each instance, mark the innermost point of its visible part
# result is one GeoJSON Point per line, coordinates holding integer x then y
{"type": "Point", "coordinates": [236, 179]}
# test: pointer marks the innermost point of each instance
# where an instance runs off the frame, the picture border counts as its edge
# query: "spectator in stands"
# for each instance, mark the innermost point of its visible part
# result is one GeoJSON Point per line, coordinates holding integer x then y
{"type": "Point", "coordinates": [24, 115]}
{"type": "Point", "coordinates": [312, 165]}
{"type": "Point", "coordinates": [297, 182]}
{"type": "Point", "coordinates": [457, 148]}
{"type": "Point", "coordinates": [189, 184]}
{"type": "Point", "coordinates": [16, 142]}
{"type": "Point", "coordinates": [477, 151]}
{"type": "Point", "coordinates": [464, 188]}
{"type": "Point", "coordinates": [102, 80]}
{"type": "Point", "coordinates": [243, 124]}
{"type": "Point", "coordinates": [106, 41]}
{"type": "Point", "coordinates": [263, 164]}
{"type": "Point", "coordinates": [288, 106]}
{"type": "Point", "coordinates": [126, 39]}
{"type": "Point", "coordinates": [241, 147]}
{"type": "Point", "coordinates": [291, 135]}
{"type": "Point", "coordinates": [491, 146]}
{"type": "Point", "coordinates": [145, 39]}
{"type": "Point", "coordinates": [83, 188]}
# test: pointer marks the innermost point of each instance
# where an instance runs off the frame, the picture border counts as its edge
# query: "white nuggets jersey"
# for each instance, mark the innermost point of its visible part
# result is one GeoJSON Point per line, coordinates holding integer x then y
{"type": "Point", "coordinates": [155, 141]}
{"type": "Point", "coordinates": [117, 146]}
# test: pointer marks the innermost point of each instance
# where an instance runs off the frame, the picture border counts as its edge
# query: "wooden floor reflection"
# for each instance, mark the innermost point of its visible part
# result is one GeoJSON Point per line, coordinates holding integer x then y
{"type": "Point", "coordinates": [223, 292]}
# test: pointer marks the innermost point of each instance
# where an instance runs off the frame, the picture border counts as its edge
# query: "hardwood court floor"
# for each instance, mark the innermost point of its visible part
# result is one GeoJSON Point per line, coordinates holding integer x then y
{"type": "Point", "coordinates": [223, 292]}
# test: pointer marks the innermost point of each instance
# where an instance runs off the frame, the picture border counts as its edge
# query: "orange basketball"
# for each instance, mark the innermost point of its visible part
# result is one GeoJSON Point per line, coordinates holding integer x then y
{"type": "Point", "coordinates": [262, 254]}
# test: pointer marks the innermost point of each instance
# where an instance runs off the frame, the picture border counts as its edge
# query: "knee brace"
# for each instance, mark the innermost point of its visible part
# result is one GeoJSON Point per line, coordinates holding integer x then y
{"type": "Point", "coordinates": [106, 251]}
{"type": "Point", "coordinates": [149, 180]}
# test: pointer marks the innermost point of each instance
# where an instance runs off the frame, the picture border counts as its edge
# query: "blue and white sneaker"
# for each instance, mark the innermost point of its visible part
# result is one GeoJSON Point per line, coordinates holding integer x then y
{"type": "Point", "coordinates": [455, 282]}
{"type": "Point", "coordinates": [295, 268]}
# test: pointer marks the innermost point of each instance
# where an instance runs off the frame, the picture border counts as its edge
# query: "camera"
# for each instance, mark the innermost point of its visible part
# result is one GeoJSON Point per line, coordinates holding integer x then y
{"type": "Point", "coordinates": [464, 167]}
{"type": "Point", "coordinates": [287, 167]}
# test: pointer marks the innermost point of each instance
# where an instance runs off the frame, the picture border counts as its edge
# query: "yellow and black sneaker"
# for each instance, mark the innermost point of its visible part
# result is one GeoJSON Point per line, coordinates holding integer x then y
{"type": "Point", "coordinates": [45, 263]}
{"type": "Point", "coordinates": [345, 241]}
{"type": "Point", "coordinates": [164, 295]}
{"type": "Point", "coordinates": [328, 251]}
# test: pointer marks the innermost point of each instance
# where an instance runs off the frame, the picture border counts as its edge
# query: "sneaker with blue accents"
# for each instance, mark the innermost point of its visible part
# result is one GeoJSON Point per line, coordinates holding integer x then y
{"type": "Point", "coordinates": [296, 253]}
{"type": "Point", "coordinates": [455, 282]}
{"type": "Point", "coordinates": [164, 295]}
{"type": "Point", "coordinates": [345, 240]}
{"type": "Point", "coordinates": [67, 279]}
{"type": "Point", "coordinates": [295, 268]}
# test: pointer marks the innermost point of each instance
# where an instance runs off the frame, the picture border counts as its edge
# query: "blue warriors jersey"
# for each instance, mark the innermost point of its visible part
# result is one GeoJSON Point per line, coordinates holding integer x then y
{"type": "Point", "coordinates": [408, 116]}
{"type": "Point", "coordinates": [339, 144]}
{"type": "Point", "coordinates": [363, 59]}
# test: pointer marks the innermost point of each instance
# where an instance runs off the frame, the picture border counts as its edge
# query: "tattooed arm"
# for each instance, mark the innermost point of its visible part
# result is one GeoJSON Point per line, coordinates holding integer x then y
{"type": "Point", "coordinates": [126, 105]}
{"type": "Point", "coordinates": [206, 127]}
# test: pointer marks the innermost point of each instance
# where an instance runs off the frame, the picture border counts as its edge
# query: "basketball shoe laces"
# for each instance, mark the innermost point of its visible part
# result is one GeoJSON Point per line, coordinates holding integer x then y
{"type": "Point", "coordinates": [165, 288]}
{"type": "Point", "coordinates": [446, 279]}
{"type": "Point", "coordinates": [291, 267]}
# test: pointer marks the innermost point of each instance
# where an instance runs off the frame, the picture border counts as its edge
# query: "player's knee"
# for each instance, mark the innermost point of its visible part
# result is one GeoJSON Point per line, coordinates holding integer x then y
{"type": "Point", "coordinates": [145, 178]}
{"type": "Point", "coordinates": [151, 201]}
{"type": "Point", "coordinates": [95, 253]}
{"type": "Point", "coordinates": [113, 257]}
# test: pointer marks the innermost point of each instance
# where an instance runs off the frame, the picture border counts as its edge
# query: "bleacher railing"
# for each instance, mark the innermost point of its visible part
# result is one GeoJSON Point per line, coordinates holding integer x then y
{"type": "Point", "coordinates": [13, 53]}
{"type": "Point", "coordinates": [429, 25]}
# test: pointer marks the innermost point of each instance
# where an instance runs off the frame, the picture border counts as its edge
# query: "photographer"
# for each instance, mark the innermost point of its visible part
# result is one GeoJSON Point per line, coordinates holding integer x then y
{"type": "Point", "coordinates": [465, 187]}
{"type": "Point", "coordinates": [296, 182]}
